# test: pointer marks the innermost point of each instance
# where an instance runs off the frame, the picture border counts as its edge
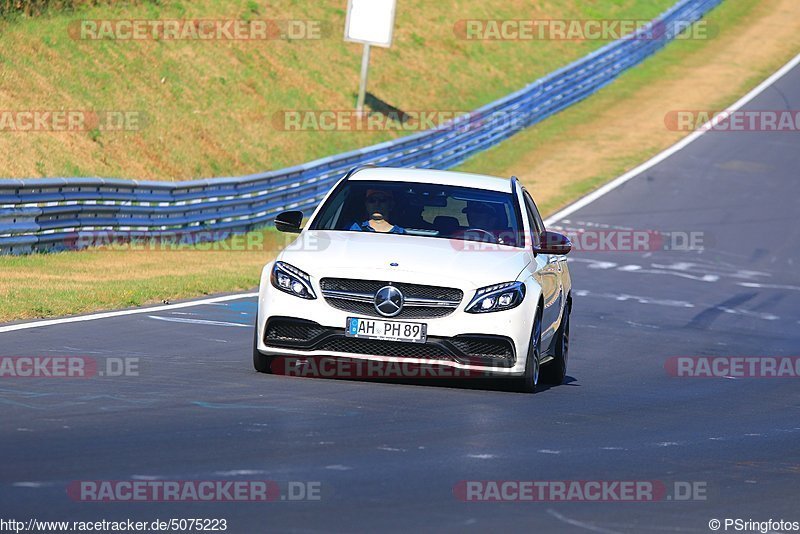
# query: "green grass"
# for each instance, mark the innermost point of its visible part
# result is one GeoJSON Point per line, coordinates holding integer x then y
{"type": "Point", "coordinates": [210, 105]}
{"type": "Point", "coordinates": [45, 285]}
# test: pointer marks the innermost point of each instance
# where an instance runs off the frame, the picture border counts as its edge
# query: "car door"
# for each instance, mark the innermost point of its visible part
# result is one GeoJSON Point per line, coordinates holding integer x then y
{"type": "Point", "coordinates": [549, 269]}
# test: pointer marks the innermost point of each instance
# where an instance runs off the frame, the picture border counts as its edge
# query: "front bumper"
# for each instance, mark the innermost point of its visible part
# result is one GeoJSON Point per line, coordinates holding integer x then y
{"type": "Point", "coordinates": [308, 337]}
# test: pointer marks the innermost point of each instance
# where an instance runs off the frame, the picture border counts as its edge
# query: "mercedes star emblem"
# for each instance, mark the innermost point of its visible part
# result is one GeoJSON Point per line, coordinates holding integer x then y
{"type": "Point", "coordinates": [389, 301]}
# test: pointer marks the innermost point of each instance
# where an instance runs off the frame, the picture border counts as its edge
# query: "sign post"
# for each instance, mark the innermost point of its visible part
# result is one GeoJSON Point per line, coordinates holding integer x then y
{"type": "Point", "coordinates": [370, 22]}
{"type": "Point", "coordinates": [362, 86]}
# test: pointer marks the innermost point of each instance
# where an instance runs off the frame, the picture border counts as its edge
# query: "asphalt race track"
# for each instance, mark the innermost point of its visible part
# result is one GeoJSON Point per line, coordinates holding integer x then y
{"type": "Point", "coordinates": [388, 455]}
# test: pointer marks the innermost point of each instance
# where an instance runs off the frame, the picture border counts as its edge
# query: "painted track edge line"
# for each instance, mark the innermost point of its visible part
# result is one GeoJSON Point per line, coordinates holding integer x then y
{"type": "Point", "coordinates": [119, 313]}
{"type": "Point", "coordinates": [677, 147]}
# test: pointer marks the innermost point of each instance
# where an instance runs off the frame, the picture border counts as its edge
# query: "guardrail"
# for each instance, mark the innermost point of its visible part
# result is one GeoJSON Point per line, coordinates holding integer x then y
{"type": "Point", "coordinates": [51, 214]}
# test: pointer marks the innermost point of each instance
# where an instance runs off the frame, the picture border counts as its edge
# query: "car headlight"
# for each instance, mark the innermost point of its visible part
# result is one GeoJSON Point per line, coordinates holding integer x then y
{"type": "Point", "coordinates": [498, 297]}
{"type": "Point", "coordinates": [290, 279]}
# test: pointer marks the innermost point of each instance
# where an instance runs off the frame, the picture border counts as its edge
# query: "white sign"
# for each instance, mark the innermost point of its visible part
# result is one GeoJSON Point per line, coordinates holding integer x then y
{"type": "Point", "coordinates": [370, 22]}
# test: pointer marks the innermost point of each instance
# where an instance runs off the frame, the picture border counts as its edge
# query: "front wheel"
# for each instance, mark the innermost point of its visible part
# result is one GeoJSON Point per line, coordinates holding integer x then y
{"type": "Point", "coordinates": [261, 363]}
{"type": "Point", "coordinates": [554, 372]}
{"type": "Point", "coordinates": [527, 383]}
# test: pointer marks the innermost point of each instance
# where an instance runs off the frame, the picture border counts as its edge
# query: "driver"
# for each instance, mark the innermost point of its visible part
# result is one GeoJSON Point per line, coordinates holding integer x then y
{"type": "Point", "coordinates": [379, 206]}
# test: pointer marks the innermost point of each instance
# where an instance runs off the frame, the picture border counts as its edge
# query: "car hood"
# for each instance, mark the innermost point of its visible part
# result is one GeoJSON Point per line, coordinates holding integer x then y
{"type": "Point", "coordinates": [426, 260]}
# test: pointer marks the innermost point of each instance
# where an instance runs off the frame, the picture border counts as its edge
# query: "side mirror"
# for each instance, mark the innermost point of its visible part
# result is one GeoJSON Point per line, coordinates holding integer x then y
{"type": "Point", "coordinates": [553, 243]}
{"type": "Point", "coordinates": [289, 221]}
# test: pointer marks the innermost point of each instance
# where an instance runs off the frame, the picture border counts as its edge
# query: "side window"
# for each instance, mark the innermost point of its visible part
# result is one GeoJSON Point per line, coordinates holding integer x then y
{"type": "Point", "coordinates": [539, 221]}
{"type": "Point", "coordinates": [534, 219]}
{"type": "Point", "coordinates": [334, 216]}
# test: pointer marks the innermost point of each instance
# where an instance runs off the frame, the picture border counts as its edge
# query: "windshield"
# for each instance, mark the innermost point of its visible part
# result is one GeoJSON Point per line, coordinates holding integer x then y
{"type": "Point", "coordinates": [436, 211]}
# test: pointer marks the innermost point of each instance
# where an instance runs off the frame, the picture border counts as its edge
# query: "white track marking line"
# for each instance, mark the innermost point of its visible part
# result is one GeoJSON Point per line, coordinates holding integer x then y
{"type": "Point", "coordinates": [120, 313]}
{"type": "Point", "coordinates": [588, 199]}
{"type": "Point", "coordinates": [680, 145]}
{"type": "Point", "coordinates": [580, 524]}
{"type": "Point", "coordinates": [197, 321]}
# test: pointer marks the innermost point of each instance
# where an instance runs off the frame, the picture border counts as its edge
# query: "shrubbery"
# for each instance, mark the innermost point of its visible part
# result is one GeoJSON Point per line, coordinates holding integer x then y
{"type": "Point", "coordinates": [32, 8]}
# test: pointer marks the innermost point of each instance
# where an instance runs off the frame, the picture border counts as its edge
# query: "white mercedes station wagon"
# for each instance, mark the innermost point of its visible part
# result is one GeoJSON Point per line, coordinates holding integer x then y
{"type": "Point", "coordinates": [421, 267]}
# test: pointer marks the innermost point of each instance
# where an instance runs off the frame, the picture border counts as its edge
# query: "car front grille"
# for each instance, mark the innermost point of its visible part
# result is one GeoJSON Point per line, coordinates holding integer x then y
{"type": "Point", "coordinates": [285, 330]}
{"type": "Point", "coordinates": [408, 312]}
{"type": "Point", "coordinates": [488, 348]}
{"type": "Point", "coordinates": [409, 290]}
{"type": "Point", "coordinates": [421, 301]}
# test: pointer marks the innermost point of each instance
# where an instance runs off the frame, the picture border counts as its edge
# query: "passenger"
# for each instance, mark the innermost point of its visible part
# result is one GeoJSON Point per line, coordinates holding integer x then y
{"type": "Point", "coordinates": [481, 215]}
{"type": "Point", "coordinates": [379, 206]}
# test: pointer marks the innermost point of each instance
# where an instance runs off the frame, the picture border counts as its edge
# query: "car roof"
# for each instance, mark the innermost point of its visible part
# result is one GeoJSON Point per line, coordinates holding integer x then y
{"type": "Point", "coordinates": [435, 177]}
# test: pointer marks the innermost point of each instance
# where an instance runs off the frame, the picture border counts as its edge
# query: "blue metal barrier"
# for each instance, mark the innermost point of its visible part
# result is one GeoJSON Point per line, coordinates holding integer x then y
{"type": "Point", "coordinates": [51, 214]}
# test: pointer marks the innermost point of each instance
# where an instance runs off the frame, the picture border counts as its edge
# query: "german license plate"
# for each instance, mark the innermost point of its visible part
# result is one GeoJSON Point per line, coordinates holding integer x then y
{"type": "Point", "coordinates": [386, 330]}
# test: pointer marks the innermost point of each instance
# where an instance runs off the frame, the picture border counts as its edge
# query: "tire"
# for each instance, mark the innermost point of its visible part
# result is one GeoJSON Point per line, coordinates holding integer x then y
{"type": "Point", "coordinates": [554, 372]}
{"type": "Point", "coordinates": [261, 362]}
{"type": "Point", "coordinates": [528, 382]}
